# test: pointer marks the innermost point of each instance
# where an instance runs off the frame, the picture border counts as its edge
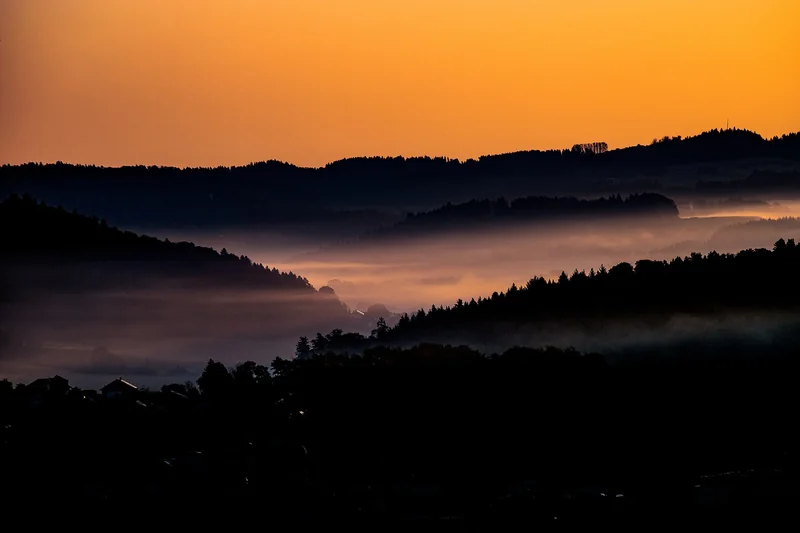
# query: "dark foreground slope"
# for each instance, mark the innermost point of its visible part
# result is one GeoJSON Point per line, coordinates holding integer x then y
{"type": "Point", "coordinates": [436, 437]}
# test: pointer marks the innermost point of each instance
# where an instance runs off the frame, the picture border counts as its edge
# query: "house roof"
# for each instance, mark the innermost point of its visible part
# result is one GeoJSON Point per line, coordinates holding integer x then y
{"type": "Point", "coordinates": [41, 382]}
{"type": "Point", "coordinates": [46, 382]}
{"type": "Point", "coordinates": [178, 395]}
{"type": "Point", "coordinates": [120, 383]}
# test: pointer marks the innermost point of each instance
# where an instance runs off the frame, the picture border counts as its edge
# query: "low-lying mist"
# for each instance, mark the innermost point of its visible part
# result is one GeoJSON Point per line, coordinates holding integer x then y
{"type": "Point", "coordinates": [756, 333]}
{"type": "Point", "coordinates": [156, 332]}
{"type": "Point", "coordinates": [152, 336]}
{"type": "Point", "coordinates": [410, 274]}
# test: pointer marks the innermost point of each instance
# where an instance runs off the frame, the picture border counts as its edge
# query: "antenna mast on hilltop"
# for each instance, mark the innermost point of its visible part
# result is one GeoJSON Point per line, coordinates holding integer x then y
{"type": "Point", "coordinates": [727, 124]}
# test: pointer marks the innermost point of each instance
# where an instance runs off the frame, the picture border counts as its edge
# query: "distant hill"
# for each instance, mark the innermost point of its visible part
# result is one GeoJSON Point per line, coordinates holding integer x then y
{"type": "Point", "coordinates": [757, 181]}
{"type": "Point", "coordinates": [48, 251]}
{"type": "Point", "coordinates": [491, 214]}
{"type": "Point", "coordinates": [274, 194]}
{"type": "Point", "coordinates": [737, 235]}
{"type": "Point", "coordinates": [40, 236]}
{"type": "Point", "coordinates": [754, 233]}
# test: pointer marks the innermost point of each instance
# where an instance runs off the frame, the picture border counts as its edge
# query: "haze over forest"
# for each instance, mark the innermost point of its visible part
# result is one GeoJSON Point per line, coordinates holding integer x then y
{"type": "Point", "coordinates": [382, 236]}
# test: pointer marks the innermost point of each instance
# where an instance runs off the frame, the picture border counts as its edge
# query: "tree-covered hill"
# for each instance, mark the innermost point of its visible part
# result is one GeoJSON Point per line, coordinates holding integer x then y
{"type": "Point", "coordinates": [648, 293]}
{"type": "Point", "coordinates": [500, 213]}
{"type": "Point", "coordinates": [36, 236]}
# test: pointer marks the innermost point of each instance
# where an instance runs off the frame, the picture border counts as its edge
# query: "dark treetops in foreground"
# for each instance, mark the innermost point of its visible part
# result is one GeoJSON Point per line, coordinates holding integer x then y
{"type": "Point", "coordinates": [271, 193]}
{"type": "Point", "coordinates": [418, 435]}
{"type": "Point", "coordinates": [649, 291]}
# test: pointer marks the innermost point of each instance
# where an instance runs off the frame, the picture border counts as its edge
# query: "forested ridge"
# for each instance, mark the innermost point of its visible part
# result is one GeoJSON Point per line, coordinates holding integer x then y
{"type": "Point", "coordinates": [704, 285]}
{"type": "Point", "coordinates": [37, 234]}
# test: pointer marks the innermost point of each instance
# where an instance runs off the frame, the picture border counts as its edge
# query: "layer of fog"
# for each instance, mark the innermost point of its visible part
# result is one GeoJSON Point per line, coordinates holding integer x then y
{"type": "Point", "coordinates": [407, 275]}
{"type": "Point", "coordinates": [750, 204]}
{"type": "Point", "coordinates": [151, 337]}
{"type": "Point", "coordinates": [758, 332]}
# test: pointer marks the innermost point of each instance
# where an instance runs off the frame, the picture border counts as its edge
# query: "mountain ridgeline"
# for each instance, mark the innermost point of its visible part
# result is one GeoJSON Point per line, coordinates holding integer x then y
{"type": "Point", "coordinates": [272, 193]}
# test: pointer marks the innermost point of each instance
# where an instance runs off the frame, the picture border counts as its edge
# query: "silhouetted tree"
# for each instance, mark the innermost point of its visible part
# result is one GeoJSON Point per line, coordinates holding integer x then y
{"type": "Point", "coordinates": [280, 366]}
{"type": "Point", "coordinates": [6, 390]}
{"type": "Point", "coordinates": [381, 329]}
{"type": "Point", "coordinates": [303, 348]}
{"type": "Point", "coordinates": [215, 380]}
{"type": "Point", "coordinates": [319, 343]}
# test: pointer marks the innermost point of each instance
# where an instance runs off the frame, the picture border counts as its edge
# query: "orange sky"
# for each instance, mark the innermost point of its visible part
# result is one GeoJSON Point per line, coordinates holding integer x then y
{"type": "Point", "coordinates": [220, 82]}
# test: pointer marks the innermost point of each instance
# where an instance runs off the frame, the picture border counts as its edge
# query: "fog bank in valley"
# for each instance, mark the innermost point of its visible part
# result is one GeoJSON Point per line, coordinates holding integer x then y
{"type": "Point", "coordinates": [409, 274]}
{"type": "Point", "coordinates": [153, 336]}
{"type": "Point", "coordinates": [163, 330]}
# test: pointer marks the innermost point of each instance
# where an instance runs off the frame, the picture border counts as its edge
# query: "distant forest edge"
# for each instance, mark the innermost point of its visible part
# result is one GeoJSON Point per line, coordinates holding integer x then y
{"type": "Point", "coordinates": [37, 235]}
{"type": "Point", "coordinates": [487, 214]}
{"type": "Point", "coordinates": [273, 192]}
{"type": "Point", "coordinates": [648, 293]}
{"type": "Point", "coordinates": [757, 181]}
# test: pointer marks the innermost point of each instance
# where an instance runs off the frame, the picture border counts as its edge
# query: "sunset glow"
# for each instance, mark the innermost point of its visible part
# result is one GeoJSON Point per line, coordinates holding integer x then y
{"type": "Point", "coordinates": [206, 83]}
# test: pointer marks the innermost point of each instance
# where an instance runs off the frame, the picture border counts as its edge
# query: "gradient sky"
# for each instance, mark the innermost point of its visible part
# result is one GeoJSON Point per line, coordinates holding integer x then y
{"type": "Point", "coordinates": [202, 82]}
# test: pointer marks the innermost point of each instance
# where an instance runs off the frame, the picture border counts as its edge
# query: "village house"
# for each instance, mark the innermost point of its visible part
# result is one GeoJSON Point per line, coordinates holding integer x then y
{"type": "Point", "coordinates": [119, 389]}
{"type": "Point", "coordinates": [55, 385]}
{"type": "Point", "coordinates": [44, 389]}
